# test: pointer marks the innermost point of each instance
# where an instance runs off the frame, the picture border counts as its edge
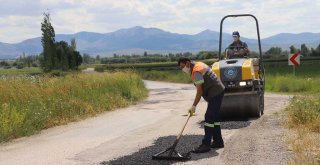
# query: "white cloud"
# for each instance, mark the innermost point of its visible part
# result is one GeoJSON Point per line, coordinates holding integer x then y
{"type": "Point", "coordinates": [181, 16]}
{"type": "Point", "coordinates": [15, 28]}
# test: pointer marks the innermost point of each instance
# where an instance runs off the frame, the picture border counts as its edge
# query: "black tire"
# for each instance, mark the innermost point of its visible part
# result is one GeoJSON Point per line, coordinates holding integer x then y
{"type": "Point", "coordinates": [259, 106]}
{"type": "Point", "coordinates": [262, 103]}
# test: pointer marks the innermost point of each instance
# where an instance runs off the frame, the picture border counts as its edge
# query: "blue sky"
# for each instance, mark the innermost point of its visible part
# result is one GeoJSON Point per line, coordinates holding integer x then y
{"type": "Point", "coordinates": [21, 19]}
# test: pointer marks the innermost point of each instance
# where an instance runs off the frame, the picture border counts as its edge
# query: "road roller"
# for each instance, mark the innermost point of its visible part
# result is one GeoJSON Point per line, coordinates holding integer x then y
{"type": "Point", "coordinates": [243, 77]}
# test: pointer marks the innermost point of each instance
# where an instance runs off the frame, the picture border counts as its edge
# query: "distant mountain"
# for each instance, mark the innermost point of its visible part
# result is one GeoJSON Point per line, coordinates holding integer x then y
{"type": "Point", "coordinates": [136, 40]}
{"type": "Point", "coordinates": [288, 38]}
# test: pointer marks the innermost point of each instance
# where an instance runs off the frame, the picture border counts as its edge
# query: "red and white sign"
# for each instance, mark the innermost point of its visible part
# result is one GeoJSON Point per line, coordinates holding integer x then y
{"type": "Point", "coordinates": [294, 59]}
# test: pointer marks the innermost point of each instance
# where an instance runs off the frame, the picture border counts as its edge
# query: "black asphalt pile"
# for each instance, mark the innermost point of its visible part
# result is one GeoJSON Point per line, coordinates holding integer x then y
{"type": "Point", "coordinates": [231, 124]}
{"type": "Point", "coordinates": [144, 155]}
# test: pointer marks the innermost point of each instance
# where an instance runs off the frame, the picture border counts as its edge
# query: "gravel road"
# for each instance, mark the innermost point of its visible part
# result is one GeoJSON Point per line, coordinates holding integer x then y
{"type": "Point", "coordinates": [131, 135]}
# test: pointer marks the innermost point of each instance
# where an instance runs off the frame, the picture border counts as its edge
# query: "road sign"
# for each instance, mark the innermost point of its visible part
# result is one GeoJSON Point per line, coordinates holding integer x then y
{"type": "Point", "coordinates": [294, 59]}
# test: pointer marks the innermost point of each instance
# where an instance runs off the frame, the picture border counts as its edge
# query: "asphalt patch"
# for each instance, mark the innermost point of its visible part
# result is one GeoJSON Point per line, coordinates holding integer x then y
{"type": "Point", "coordinates": [230, 124]}
{"type": "Point", "coordinates": [144, 155]}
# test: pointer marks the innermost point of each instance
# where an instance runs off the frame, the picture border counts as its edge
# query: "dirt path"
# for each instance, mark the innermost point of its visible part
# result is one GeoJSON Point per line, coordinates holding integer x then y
{"type": "Point", "coordinates": [131, 135]}
{"type": "Point", "coordinates": [264, 141]}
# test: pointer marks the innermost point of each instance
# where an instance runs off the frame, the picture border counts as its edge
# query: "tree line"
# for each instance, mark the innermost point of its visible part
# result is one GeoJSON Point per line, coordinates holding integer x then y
{"type": "Point", "coordinates": [21, 62]}
{"type": "Point", "coordinates": [273, 52]}
{"type": "Point", "coordinates": [64, 62]}
{"type": "Point", "coordinates": [148, 58]}
{"type": "Point", "coordinates": [303, 50]}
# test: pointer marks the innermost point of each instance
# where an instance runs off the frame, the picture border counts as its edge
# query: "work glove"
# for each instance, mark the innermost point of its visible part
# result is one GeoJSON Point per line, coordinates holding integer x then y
{"type": "Point", "coordinates": [192, 110]}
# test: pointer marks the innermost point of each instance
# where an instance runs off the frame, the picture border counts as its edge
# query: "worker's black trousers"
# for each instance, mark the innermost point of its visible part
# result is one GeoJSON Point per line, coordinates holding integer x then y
{"type": "Point", "coordinates": [212, 127]}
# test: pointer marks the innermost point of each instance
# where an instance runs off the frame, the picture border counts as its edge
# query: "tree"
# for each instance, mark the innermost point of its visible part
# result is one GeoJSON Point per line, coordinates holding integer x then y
{"type": "Point", "coordinates": [62, 52]}
{"type": "Point", "coordinates": [98, 59]}
{"type": "Point", "coordinates": [115, 55]}
{"type": "Point", "coordinates": [274, 51]}
{"type": "Point", "coordinates": [67, 57]}
{"type": "Point", "coordinates": [73, 44]}
{"type": "Point", "coordinates": [304, 50]}
{"type": "Point", "coordinates": [318, 50]}
{"type": "Point", "coordinates": [48, 44]}
{"type": "Point", "coordinates": [4, 64]}
{"type": "Point", "coordinates": [293, 49]}
{"type": "Point", "coordinates": [78, 59]}
{"type": "Point", "coordinates": [57, 55]}
{"type": "Point", "coordinates": [86, 58]}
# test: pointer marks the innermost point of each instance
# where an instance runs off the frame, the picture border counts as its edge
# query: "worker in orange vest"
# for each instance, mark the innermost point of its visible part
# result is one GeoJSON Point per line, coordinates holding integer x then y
{"type": "Point", "coordinates": [210, 87]}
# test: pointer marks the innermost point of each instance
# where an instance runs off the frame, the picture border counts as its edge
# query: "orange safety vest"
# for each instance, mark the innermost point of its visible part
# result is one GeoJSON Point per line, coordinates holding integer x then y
{"type": "Point", "coordinates": [198, 67]}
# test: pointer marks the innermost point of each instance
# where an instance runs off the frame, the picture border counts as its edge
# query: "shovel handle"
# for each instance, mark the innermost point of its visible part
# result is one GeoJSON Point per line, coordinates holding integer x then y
{"type": "Point", "coordinates": [184, 126]}
{"type": "Point", "coordinates": [179, 136]}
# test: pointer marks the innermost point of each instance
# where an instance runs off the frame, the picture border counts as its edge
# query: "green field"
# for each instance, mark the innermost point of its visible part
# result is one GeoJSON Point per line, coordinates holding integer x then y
{"type": "Point", "coordinates": [280, 78]}
{"type": "Point", "coordinates": [29, 104]}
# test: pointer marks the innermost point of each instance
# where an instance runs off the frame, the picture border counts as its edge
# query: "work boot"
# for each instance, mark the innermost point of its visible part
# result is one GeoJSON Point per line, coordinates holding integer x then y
{"type": "Point", "coordinates": [202, 149]}
{"type": "Point", "coordinates": [217, 145]}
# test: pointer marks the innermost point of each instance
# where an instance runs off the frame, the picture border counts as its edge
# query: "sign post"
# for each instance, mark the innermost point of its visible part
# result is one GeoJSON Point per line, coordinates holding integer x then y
{"type": "Point", "coordinates": [294, 60]}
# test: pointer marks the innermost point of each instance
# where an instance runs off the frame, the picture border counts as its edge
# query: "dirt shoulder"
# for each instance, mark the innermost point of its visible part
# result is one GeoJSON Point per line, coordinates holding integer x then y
{"type": "Point", "coordinates": [264, 141]}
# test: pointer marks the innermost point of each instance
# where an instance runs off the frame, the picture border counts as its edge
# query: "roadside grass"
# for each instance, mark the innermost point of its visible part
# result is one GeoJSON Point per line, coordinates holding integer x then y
{"type": "Point", "coordinates": [304, 118]}
{"type": "Point", "coordinates": [31, 103]}
{"type": "Point", "coordinates": [303, 112]}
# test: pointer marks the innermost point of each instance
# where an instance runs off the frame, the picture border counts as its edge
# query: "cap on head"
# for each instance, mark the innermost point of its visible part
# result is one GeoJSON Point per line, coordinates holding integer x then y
{"type": "Point", "coordinates": [183, 60]}
{"type": "Point", "coordinates": [235, 33]}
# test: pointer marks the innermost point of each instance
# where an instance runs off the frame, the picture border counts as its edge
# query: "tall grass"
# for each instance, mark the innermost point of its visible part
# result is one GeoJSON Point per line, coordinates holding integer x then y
{"type": "Point", "coordinates": [304, 118]}
{"type": "Point", "coordinates": [29, 104]}
{"type": "Point", "coordinates": [305, 111]}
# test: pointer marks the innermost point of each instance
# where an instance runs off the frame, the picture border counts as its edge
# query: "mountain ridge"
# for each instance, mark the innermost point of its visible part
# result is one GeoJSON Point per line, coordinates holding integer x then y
{"type": "Point", "coordinates": [153, 40]}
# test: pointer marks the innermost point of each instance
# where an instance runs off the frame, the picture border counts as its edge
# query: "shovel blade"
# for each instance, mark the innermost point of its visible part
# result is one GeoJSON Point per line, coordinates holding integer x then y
{"type": "Point", "coordinates": [177, 156]}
